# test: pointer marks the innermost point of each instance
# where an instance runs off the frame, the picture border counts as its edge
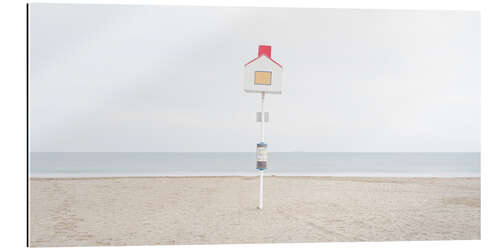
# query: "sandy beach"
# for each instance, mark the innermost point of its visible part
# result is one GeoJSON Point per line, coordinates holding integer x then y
{"type": "Point", "coordinates": [216, 210]}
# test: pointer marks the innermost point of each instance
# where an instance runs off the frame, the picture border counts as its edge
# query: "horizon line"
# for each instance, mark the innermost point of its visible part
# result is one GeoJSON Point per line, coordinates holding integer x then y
{"type": "Point", "coordinates": [254, 151]}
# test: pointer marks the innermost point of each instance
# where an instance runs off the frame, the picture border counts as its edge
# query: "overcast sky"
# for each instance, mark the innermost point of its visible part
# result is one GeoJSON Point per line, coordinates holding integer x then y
{"type": "Point", "coordinates": [158, 78]}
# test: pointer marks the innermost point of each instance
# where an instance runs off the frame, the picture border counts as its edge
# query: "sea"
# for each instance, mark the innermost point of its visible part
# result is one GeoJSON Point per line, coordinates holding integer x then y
{"type": "Point", "coordinates": [107, 164]}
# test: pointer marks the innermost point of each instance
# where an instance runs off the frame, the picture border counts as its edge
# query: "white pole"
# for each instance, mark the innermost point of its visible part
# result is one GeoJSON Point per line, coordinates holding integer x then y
{"type": "Point", "coordinates": [261, 192]}
{"type": "Point", "coordinates": [261, 196]}
{"type": "Point", "coordinates": [262, 118]}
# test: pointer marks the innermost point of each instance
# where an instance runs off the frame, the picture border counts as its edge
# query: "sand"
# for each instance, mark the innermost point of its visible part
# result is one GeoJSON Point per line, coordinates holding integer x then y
{"type": "Point", "coordinates": [216, 210]}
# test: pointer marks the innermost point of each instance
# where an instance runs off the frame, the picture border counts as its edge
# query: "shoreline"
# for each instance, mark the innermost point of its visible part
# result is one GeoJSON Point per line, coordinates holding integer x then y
{"type": "Point", "coordinates": [250, 176]}
{"type": "Point", "coordinates": [446, 176]}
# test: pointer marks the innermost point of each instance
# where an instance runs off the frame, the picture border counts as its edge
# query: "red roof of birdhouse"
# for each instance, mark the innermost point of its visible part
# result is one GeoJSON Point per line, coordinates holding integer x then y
{"type": "Point", "coordinates": [264, 50]}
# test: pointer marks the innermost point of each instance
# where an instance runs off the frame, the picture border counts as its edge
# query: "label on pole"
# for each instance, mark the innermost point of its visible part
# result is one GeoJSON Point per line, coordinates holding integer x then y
{"type": "Point", "coordinates": [261, 156]}
{"type": "Point", "coordinates": [259, 116]}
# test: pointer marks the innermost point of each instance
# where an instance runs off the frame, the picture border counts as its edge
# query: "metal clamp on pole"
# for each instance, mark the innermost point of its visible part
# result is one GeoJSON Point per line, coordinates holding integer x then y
{"type": "Point", "coordinates": [261, 166]}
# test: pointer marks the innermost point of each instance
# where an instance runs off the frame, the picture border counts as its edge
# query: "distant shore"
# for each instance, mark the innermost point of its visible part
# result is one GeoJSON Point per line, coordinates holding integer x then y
{"type": "Point", "coordinates": [96, 211]}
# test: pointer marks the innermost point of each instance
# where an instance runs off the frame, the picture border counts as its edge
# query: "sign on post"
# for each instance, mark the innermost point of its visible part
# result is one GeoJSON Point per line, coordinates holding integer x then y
{"type": "Point", "coordinates": [259, 116]}
{"type": "Point", "coordinates": [262, 75]}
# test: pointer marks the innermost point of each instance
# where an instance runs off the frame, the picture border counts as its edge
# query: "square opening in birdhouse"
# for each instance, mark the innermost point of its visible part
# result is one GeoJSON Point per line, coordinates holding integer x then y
{"type": "Point", "coordinates": [262, 77]}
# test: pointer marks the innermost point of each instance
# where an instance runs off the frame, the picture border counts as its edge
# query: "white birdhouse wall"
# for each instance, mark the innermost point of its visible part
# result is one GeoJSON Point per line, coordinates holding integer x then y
{"type": "Point", "coordinates": [263, 75]}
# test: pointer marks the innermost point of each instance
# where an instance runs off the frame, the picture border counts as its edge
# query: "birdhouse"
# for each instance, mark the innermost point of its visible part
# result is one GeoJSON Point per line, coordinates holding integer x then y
{"type": "Point", "coordinates": [263, 74]}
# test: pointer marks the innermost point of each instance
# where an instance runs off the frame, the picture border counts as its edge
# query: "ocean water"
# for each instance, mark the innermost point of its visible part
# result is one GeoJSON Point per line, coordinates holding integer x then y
{"type": "Point", "coordinates": [227, 164]}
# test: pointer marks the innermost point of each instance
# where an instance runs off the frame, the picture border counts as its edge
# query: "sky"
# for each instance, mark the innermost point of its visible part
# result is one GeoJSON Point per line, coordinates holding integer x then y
{"type": "Point", "coordinates": [125, 78]}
